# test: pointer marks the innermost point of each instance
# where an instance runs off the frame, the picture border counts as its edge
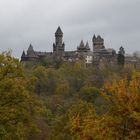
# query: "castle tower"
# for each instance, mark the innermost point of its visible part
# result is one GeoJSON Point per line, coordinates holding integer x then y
{"type": "Point", "coordinates": [98, 43]}
{"type": "Point", "coordinates": [58, 46]}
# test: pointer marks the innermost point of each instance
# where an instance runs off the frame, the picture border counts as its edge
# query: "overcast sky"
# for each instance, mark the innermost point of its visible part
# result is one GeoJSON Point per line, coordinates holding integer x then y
{"type": "Point", "coordinates": [35, 21]}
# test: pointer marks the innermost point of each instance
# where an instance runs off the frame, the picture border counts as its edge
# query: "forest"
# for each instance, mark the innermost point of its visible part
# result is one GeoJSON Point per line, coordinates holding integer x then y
{"type": "Point", "coordinates": [68, 101]}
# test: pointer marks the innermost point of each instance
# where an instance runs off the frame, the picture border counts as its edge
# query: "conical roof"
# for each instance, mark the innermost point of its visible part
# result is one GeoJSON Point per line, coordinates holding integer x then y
{"type": "Point", "coordinates": [94, 37]}
{"type": "Point", "coordinates": [30, 48]}
{"type": "Point", "coordinates": [23, 54]}
{"type": "Point", "coordinates": [31, 52]}
{"type": "Point", "coordinates": [87, 45]}
{"type": "Point", "coordinates": [59, 31]}
{"type": "Point", "coordinates": [82, 44]}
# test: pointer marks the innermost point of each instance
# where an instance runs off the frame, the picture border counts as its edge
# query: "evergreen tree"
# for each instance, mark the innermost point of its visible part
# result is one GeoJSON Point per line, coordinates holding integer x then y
{"type": "Point", "coordinates": [121, 57]}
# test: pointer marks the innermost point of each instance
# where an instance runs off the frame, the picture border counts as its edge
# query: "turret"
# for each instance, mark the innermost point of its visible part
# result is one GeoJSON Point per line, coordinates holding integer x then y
{"type": "Point", "coordinates": [82, 47]}
{"type": "Point", "coordinates": [87, 46]}
{"type": "Point", "coordinates": [98, 43]}
{"type": "Point", "coordinates": [23, 56]}
{"type": "Point", "coordinates": [82, 44]}
{"type": "Point", "coordinates": [94, 38]}
{"type": "Point", "coordinates": [58, 46]}
{"type": "Point", "coordinates": [30, 48]}
{"type": "Point", "coordinates": [31, 55]}
{"type": "Point", "coordinates": [30, 51]}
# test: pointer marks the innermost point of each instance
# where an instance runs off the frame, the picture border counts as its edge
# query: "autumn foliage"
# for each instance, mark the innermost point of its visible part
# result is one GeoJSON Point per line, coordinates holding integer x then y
{"type": "Point", "coordinates": [69, 102]}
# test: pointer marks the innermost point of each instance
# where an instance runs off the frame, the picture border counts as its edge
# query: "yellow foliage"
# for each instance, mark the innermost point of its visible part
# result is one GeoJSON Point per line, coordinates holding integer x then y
{"type": "Point", "coordinates": [122, 121]}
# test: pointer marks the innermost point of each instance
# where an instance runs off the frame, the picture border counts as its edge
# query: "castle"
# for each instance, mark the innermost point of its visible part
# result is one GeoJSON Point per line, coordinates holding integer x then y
{"type": "Point", "coordinates": [98, 55]}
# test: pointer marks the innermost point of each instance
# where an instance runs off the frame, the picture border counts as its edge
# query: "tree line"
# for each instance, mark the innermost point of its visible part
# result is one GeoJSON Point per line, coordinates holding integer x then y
{"type": "Point", "coordinates": [69, 102]}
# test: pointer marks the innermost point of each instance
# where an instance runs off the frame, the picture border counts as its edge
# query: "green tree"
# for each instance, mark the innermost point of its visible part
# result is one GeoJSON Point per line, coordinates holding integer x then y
{"type": "Point", "coordinates": [77, 123]}
{"type": "Point", "coordinates": [121, 57]}
{"type": "Point", "coordinates": [40, 75]}
{"type": "Point", "coordinates": [18, 107]}
{"type": "Point", "coordinates": [89, 94]}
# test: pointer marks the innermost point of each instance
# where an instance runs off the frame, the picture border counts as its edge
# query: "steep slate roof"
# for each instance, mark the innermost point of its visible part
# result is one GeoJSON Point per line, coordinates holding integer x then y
{"type": "Point", "coordinates": [31, 52]}
{"type": "Point", "coordinates": [99, 38]}
{"type": "Point", "coordinates": [30, 48]}
{"type": "Point", "coordinates": [81, 44]}
{"type": "Point", "coordinates": [87, 46]}
{"type": "Point", "coordinates": [23, 54]}
{"type": "Point", "coordinates": [59, 31]}
{"type": "Point", "coordinates": [94, 37]}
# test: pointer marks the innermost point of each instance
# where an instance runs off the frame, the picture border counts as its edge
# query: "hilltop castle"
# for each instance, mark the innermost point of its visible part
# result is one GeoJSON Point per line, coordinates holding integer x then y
{"type": "Point", "coordinates": [95, 56]}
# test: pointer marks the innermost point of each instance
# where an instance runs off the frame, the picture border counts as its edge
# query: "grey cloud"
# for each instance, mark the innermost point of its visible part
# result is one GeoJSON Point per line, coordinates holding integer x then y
{"type": "Point", "coordinates": [34, 21]}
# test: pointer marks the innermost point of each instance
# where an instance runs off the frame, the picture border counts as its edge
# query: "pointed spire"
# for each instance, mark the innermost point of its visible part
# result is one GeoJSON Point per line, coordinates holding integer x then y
{"type": "Point", "coordinates": [58, 31]}
{"type": "Point", "coordinates": [23, 54]}
{"type": "Point", "coordinates": [87, 45]}
{"type": "Point", "coordinates": [30, 48]}
{"type": "Point", "coordinates": [94, 37]}
{"type": "Point", "coordinates": [82, 44]}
